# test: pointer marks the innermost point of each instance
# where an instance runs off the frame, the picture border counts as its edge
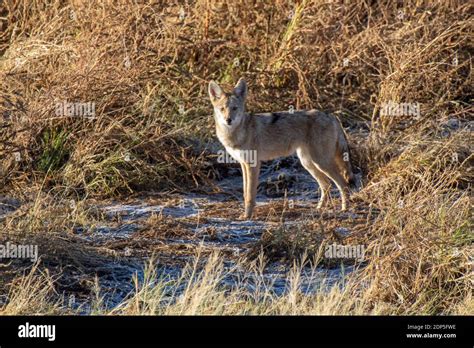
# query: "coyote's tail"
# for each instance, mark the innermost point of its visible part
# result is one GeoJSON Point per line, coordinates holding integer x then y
{"type": "Point", "coordinates": [344, 153]}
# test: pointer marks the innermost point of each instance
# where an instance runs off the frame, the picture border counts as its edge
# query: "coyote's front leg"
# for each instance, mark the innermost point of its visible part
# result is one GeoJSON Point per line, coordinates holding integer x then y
{"type": "Point", "coordinates": [250, 187]}
{"type": "Point", "coordinates": [244, 186]}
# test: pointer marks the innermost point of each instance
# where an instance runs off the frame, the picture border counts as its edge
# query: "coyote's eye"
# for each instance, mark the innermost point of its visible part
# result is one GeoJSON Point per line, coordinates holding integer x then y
{"type": "Point", "coordinates": [222, 109]}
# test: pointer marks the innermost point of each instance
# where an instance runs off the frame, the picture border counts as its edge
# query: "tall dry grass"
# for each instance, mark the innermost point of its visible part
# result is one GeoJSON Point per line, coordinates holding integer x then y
{"type": "Point", "coordinates": [145, 65]}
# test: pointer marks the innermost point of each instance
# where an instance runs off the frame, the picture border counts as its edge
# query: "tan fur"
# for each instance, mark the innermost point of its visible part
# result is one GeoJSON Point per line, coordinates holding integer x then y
{"type": "Point", "coordinates": [317, 138]}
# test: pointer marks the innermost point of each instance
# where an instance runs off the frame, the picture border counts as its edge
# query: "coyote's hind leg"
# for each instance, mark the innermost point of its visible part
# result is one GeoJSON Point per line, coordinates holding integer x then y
{"type": "Point", "coordinates": [319, 176]}
{"type": "Point", "coordinates": [332, 171]}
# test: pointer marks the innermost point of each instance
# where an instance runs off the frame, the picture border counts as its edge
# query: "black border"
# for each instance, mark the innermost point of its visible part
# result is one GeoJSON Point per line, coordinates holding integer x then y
{"type": "Point", "coordinates": [290, 331]}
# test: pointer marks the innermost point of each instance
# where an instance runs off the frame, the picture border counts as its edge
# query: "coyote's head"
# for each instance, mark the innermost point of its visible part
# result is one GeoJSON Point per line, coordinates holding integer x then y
{"type": "Point", "coordinates": [229, 108]}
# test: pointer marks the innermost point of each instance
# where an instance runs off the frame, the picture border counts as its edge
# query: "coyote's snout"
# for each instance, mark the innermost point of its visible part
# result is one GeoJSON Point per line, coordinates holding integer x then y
{"type": "Point", "coordinates": [317, 138]}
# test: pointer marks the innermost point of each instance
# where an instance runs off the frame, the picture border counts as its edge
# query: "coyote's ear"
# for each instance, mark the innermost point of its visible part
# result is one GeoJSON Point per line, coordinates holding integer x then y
{"type": "Point", "coordinates": [215, 92]}
{"type": "Point", "coordinates": [240, 88]}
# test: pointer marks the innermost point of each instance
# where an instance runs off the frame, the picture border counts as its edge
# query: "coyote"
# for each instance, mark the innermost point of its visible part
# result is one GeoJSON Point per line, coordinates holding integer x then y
{"type": "Point", "coordinates": [317, 138]}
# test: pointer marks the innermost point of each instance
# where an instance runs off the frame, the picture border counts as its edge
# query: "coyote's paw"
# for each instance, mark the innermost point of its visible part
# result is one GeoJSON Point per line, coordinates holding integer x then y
{"type": "Point", "coordinates": [244, 217]}
{"type": "Point", "coordinates": [322, 205]}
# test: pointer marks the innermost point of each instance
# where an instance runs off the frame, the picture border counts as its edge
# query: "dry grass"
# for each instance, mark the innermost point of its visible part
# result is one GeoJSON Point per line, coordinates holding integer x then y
{"type": "Point", "coordinates": [204, 294]}
{"type": "Point", "coordinates": [146, 68]}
